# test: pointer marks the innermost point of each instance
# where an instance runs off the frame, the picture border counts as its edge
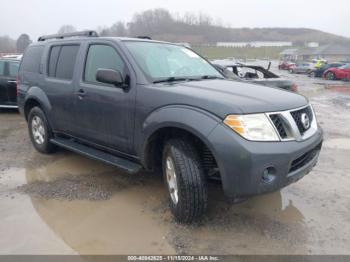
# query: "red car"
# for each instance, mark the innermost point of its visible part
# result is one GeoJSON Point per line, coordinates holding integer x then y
{"type": "Point", "coordinates": [285, 65]}
{"type": "Point", "coordinates": [342, 73]}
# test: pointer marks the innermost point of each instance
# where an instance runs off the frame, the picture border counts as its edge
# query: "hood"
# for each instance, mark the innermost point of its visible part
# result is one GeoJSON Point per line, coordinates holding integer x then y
{"type": "Point", "coordinates": [274, 82]}
{"type": "Point", "coordinates": [223, 97]}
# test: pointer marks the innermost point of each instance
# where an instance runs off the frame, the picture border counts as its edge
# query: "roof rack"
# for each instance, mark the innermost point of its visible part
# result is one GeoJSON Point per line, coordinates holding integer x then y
{"type": "Point", "coordinates": [75, 34]}
{"type": "Point", "coordinates": [144, 37]}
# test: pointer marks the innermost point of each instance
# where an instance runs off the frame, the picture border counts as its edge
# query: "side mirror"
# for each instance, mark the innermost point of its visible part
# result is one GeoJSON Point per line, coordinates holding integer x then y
{"type": "Point", "coordinates": [109, 76]}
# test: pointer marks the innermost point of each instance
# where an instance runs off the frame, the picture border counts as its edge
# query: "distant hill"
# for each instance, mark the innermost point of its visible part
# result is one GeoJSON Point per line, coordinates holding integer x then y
{"type": "Point", "coordinates": [196, 34]}
{"type": "Point", "coordinates": [200, 29]}
{"type": "Point", "coordinates": [296, 35]}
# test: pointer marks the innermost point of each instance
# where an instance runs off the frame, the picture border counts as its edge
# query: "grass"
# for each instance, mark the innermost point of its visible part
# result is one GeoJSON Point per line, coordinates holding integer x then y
{"type": "Point", "coordinates": [214, 52]}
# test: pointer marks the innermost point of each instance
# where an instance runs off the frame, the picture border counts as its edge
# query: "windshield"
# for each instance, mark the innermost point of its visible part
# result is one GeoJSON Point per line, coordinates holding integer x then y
{"type": "Point", "coordinates": [162, 61]}
{"type": "Point", "coordinates": [347, 66]}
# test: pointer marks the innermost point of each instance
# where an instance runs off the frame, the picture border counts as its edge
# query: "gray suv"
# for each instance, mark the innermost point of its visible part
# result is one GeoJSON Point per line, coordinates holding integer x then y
{"type": "Point", "coordinates": [142, 104]}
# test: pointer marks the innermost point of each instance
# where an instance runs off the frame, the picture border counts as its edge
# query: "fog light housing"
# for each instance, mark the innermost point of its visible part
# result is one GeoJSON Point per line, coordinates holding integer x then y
{"type": "Point", "coordinates": [268, 175]}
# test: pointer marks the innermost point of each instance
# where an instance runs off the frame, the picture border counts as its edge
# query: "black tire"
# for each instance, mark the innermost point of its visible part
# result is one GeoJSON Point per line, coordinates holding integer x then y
{"type": "Point", "coordinates": [190, 180]}
{"type": "Point", "coordinates": [312, 74]}
{"type": "Point", "coordinates": [330, 76]}
{"type": "Point", "coordinates": [46, 147]}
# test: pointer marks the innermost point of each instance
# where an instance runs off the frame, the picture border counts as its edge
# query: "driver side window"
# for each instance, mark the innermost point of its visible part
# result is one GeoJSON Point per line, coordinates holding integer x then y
{"type": "Point", "coordinates": [102, 57]}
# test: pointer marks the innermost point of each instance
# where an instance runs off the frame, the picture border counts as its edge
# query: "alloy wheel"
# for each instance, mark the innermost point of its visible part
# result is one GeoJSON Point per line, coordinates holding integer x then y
{"type": "Point", "coordinates": [172, 180]}
{"type": "Point", "coordinates": [38, 130]}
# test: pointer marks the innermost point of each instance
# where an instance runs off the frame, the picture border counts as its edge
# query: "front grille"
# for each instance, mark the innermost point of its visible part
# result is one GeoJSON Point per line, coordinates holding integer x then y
{"type": "Point", "coordinates": [297, 118]}
{"type": "Point", "coordinates": [277, 121]}
{"type": "Point", "coordinates": [305, 158]}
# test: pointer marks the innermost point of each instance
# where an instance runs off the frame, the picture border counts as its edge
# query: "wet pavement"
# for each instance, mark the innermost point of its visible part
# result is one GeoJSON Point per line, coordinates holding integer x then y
{"type": "Point", "coordinates": [67, 204]}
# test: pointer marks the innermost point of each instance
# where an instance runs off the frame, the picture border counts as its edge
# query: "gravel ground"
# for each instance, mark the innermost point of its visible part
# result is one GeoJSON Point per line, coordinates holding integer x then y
{"type": "Point", "coordinates": [66, 204]}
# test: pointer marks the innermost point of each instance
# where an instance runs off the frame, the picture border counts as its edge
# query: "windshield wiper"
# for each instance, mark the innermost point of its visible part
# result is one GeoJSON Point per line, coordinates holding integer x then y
{"type": "Point", "coordinates": [173, 79]}
{"type": "Point", "coordinates": [211, 77]}
{"type": "Point", "coordinates": [176, 79]}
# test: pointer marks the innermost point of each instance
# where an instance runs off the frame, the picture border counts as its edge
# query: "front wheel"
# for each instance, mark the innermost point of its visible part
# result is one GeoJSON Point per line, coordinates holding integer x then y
{"type": "Point", "coordinates": [39, 131]}
{"type": "Point", "coordinates": [185, 180]}
{"type": "Point", "coordinates": [330, 76]}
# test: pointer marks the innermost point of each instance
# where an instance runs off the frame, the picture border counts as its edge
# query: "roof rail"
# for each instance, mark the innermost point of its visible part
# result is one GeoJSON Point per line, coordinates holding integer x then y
{"type": "Point", "coordinates": [144, 37]}
{"type": "Point", "coordinates": [62, 36]}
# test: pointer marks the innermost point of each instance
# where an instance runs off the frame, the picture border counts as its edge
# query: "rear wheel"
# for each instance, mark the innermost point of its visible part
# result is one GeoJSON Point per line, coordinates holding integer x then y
{"type": "Point", "coordinates": [330, 76]}
{"type": "Point", "coordinates": [39, 131]}
{"type": "Point", "coordinates": [312, 74]}
{"type": "Point", "coordinates": [185, 180]}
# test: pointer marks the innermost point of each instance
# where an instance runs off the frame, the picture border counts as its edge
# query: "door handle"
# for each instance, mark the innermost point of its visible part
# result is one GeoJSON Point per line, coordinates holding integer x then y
{"type": "Point", "coordinates": [81, 93]}
{"type": "Point", "coordinates": [12, 81]}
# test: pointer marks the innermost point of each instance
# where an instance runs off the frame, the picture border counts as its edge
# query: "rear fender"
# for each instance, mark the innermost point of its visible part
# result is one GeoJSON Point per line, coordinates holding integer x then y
{"type": "Point", "coordinates": [37, 94]}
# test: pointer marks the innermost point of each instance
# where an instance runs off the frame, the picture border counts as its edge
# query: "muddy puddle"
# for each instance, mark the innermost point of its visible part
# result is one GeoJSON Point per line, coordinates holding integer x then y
{"type": "Point", "coordinates": [77, 178]}
{"type": "Point", "coordinates": [76, 205]}
{"type": "Point", "coordinates": [90, 207]}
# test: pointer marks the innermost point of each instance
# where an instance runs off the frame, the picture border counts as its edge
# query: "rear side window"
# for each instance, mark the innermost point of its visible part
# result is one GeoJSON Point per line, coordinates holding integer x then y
{"type": "Point", "coordinates": [2, 68]}
{"type": "Point", "coordinates": [62, 61]}
{"type": "Point", "coordinates": [55, 51]}
{"type": "Point", "coordinates": [13, 68]}
{"type": "Point", "coordinates": [102, 57]}
{"type": "Point", "coordinates": [32, 59]}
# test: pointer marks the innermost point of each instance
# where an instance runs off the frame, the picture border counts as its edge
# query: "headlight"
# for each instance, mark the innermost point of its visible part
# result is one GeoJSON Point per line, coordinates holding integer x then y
{"type": "Point", "coordinates": [255, 127]}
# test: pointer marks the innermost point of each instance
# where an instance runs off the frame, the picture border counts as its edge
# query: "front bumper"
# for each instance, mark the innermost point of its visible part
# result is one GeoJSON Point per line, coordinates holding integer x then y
{"type": "Point", "coordinates": [242, 162]}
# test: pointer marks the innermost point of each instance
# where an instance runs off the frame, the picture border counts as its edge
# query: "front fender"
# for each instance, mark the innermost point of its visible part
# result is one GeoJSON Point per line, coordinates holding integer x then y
{"type": "Point", "coordinates": [194, 120]}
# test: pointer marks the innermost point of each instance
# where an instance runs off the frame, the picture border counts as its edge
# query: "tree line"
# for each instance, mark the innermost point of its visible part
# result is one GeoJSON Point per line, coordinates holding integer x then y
{"type": "Point", "coordinates": [8, 45]}
{"type": "Point", "coordinates": [202, 29]}
{"type": "Point", "coordinates": [192, 28]}
{"type": "Point", "coordinates": [156, 23]}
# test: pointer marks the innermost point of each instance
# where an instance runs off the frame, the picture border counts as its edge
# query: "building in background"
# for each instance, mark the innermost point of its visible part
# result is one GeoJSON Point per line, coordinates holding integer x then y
{"type": "Point", "coordinates": [255, 44]}
{"type": "Point", "coordinates": [289, 54]}
{"type": "Point", "coordinates": [330, 52]}
{"type": "Point", "coordinates": [312, 44]}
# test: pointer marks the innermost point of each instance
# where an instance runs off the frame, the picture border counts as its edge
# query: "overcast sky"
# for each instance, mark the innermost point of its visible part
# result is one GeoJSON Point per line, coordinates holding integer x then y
{"type": "Point", "coordinates": [37, 17]}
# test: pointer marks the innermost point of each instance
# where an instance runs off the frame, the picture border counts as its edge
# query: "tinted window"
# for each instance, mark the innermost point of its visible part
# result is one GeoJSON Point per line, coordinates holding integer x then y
{"type": "Point", "coordinates": [2, 68]}
{"type": "Point", "coordinates": [102, 56]}
{"type": "Point", "coordinates": [13, 68]}
{"type": "Point", "coordinates": [55, 51]}
{"type": "Point", "coordinates": [66, 62]}
{"type": "Point", "coordinates": [32, 59]}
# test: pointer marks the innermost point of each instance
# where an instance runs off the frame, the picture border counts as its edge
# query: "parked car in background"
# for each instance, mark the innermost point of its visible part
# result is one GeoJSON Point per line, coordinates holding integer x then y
{"type": "Point", "coordinates": [8, 88]}
{"type": "Point", "coordinates": [255, 74]}
{"type": "Point", "coordinates": [340, 73]}
{"type": "Point", "coordinates": [301, 68]}
{"type": "Point", "coordinates": [17, 56]}
{"type": "Point", "coordinates": [319, 72]}
{"type": "Point", "coordinates": [286, 65]}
